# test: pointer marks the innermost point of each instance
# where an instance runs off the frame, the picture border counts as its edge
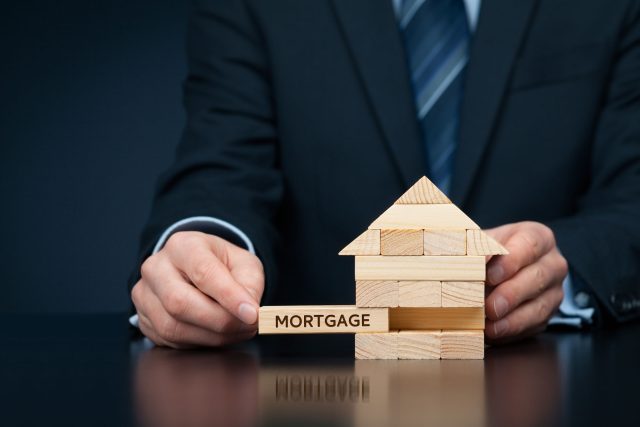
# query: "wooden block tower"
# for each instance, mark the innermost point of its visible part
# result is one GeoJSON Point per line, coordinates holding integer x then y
{"type": "Point", "coordinates": [419, 279]}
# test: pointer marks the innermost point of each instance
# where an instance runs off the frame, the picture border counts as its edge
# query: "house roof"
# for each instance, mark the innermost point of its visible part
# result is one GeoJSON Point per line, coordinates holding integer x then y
{"type": "Point", "coordinates": [424, 207]}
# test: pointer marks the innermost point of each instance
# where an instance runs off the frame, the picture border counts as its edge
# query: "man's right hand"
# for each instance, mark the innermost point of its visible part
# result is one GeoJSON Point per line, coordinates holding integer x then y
{"type": "Point", "coordinates": [199, 290]}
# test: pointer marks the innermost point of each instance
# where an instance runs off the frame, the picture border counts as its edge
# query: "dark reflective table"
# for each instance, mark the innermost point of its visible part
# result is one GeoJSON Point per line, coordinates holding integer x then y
{"type": "Point", "coordinates": [86, 370]}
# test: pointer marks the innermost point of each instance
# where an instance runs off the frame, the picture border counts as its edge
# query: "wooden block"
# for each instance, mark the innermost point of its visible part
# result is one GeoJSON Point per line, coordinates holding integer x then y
{"type": "Point", "coordinates": [368, 243]}
{"type": "Point", "coordinates": [423, 192]}
{"type": "Point", "coordinates": [479, 243]}
{"type": "Point", "coordinates": [451, 268]}
{"type": "Point", "coordinates": [445, 242]}
{"type": "Point", "coordinates": [377, 346]}
{"type": "Point", "coordinates": [377, 293]}
{"type": "Point", "coordinates": [421, 293]}
{"type": "Point", "coordinates": [401, 242]}
{"type": "Point", "coordinates": [319, 319]}
{"type": "Point", "coordinates": [463, 294]}
{"type": "Point", "coordinates": [419, 344]}
{"type": "Point", "coordinates": [417, 318]}
{"type": "Point", "coordinates": [423, 216]}
{"type": "Point", "coordinates": [462, 345]}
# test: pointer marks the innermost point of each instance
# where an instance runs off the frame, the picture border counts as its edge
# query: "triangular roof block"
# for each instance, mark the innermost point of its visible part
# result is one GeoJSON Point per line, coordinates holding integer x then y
{"type": "Point", "coordinates": [423, 192]}
{"type": "Point", "coordinates": [368, 243]}
{"type": "Point", "coordinates": [479, 243]}
{"type": "Point", "coordinates": [425, 207]}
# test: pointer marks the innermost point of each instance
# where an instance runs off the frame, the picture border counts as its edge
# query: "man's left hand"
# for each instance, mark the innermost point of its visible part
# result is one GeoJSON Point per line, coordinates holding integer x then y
{"type": "Point", "coordinates": [524, 288]}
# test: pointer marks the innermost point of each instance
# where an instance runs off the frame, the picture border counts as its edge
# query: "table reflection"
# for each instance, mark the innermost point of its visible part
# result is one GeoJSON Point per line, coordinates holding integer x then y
{"type": "Point", "coordinates": [525, 384]}
{"type": "Point", "coordinates": [517, 386]}
{"type": "Point", "coordinates": [192, 389]}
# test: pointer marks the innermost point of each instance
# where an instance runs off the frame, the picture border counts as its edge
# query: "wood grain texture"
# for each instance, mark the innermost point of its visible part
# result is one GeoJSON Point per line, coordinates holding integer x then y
{"type": "Point", "coordinates": [376, 345]}
{"type": "Point", "coordinates": [368, 243]}
{"type": "Point", "coordinates": [451, 268]}
{"type": "Point", "coordinates": [454, 318]}
{"type": "Point", "coordinates": [479, 243]}
{"type": "Point", "coordinates": [462, 345]}
{"type": "Point", "coordinates": [401, 242]}
{"type": "Point", "coordinates": [320, 319]}
{"type": "Point", "coordinates": [423, 192]}
{"type": "Point", "coordinates": [445, 242]}
{"type": "Point", "coordinates": [424, 217]}
{"type": "Point", "coordinates": [463, 294]}
{"type": "Point", "coordinates": [419, 293]}
{"type": "Point", "coordinates": [377, 293]}
{"type": "Point", "coordinates": [419, 344]}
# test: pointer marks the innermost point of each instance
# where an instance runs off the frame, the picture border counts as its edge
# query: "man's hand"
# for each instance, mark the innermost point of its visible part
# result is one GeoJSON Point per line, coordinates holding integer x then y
{"type": "Point", "coordinates": [525, 286]}
{"type": "Point", "coordinates": [199, 290]}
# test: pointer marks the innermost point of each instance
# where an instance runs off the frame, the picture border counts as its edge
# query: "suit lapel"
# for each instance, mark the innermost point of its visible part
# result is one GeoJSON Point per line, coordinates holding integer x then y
{"type": "Point", "coordinates": [371, 32]}
{"type": "Point", "coordinates": [501, 28]}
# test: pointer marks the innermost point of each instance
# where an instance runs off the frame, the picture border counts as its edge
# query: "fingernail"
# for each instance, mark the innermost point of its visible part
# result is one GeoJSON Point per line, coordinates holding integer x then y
{"type": "Point", "coordinates": [500, 306]}
{"type": "Point", "coordinates": [500, 328]}
{"type": "Point", "coordinates": [248, 314]}
{"type": "Point", "coordinates": [495, 273]}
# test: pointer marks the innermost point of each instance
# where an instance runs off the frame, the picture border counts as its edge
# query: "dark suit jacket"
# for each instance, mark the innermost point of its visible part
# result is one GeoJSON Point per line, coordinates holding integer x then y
{"type": "Point", "coordinates": [302, 129]}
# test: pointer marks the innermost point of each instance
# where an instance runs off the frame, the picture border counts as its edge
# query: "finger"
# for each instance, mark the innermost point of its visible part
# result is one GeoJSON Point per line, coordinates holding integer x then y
{"type": "Point", "coordinates": [247, 270]}
{"type": "Point", "coordinates": [186, 303]}
{"type": "Point", "coordinates": [245, 267]}
{"type": "Point", "coordinates": [140, 300]}
{"type": "Point", "coordinates": [527, 284]}
{"type": "Point", "coordinates": [177, 334]}
{"type": "Point", "coordinates": [194, 256]}
{"type": "Point", "coordinates": [147, 330]}
{"type": "Point", "coordinates": [526, 246]}
{"type": "Point", "coordinates": [526, 319]}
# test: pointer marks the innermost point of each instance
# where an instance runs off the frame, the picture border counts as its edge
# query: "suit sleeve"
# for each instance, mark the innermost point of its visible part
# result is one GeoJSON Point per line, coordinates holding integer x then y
{"type": "Point", "coordinates": [602, 242]}
{"type": "Point", "coordinates": [226, 164]}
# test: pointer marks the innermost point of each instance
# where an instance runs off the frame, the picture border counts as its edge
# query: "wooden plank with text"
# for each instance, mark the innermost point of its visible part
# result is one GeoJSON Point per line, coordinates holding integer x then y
{"type": "Point", "coordinates": [322, 319]}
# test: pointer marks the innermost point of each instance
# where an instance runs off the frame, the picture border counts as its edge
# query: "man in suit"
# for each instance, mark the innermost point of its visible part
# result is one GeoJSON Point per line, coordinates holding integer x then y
{"type": "Point", "coordinates": [307, 118]}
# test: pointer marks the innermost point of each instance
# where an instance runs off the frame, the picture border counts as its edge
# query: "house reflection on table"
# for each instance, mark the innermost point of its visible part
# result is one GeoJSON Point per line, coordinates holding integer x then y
{"type": "Point", "coordinates": [306, 386]}
{"type": "Point", "coordinates": [519, 387]}
{"type": "Point", "coordinates": [375, 392]}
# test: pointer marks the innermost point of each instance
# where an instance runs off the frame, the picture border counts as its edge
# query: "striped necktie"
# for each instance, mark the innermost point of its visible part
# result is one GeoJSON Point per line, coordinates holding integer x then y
{"type": "Point", "coordinates": [436, 36]}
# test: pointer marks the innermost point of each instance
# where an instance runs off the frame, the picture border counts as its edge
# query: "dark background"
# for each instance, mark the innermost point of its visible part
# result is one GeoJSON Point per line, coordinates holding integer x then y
{"type": "Point", "coordinates": [90, 113]}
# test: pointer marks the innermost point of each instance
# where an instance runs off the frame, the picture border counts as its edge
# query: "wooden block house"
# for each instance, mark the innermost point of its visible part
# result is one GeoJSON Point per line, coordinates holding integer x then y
{"type": "Point", "coordinates": [419, 284]}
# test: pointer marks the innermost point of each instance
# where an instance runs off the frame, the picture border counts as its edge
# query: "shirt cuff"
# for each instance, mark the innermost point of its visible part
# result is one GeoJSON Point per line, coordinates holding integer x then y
{"type": "Point", "coordinates": [204, 224]}
{"type": "Point", "coordinates": [569, 314]}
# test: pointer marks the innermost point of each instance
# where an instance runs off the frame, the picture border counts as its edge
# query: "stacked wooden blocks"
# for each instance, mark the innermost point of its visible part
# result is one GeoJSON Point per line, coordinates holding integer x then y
{"type": "Point", "coordinates": [419, 276]}
{"type": "Point", "coordinates": [424, 260]}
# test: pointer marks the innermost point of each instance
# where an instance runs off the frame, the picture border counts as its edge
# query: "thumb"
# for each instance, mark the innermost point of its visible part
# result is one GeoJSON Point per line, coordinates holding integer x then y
{"type": "Point", "coordinates": [502, 233]}
{"type": "Point", "coordinates": [245, 267]}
